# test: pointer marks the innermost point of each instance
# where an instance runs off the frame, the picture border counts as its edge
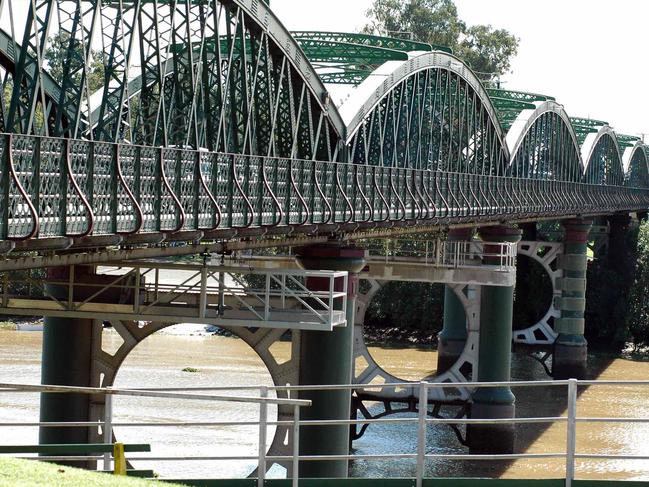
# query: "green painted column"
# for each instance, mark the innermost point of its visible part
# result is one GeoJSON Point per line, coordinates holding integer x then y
{"type": "Point", "coordinates": [452, 339]}
{"type": "Point", "coordinates": [326, 358]}
{"type": "Point", "coordinates": [570, 349]}
{"type": "Point", "coordinates": [66, 352]}
{"type": "Point", "coordinates": [494, 361]}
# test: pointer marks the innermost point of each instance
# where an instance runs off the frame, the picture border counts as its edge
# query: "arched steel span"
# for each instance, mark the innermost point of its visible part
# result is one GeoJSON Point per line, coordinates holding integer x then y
{"type": "Point", "coordinates": [261, 97]}
{"type": "Point", "coordinates": [423, 141]}
{"type": "Point", "coordinates": [431, 114]}
{"type": "Point", "coordinates": [544, 145]}
{"type": "Point", "coordinates": [10, 52]}
{"type": "Point", "coordinates": [603, 159]}
{"type": "Point", "coordinates": [636, 165]}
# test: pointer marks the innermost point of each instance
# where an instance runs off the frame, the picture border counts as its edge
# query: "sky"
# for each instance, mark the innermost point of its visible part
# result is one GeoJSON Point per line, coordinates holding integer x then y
{"type": "Point", "coordinates": [591, 55]}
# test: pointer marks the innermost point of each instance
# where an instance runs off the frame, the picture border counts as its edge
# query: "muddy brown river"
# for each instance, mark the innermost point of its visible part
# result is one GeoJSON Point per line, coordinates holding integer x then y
{"type": "Point", "coordinates": [159, 362]}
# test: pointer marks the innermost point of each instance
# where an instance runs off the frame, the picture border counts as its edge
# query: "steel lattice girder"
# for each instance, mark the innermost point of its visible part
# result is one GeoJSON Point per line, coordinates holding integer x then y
{"type": "Point", "coordinates": [627, 140]}
{"type": "Point", "coordinates": [156, 96]}
{"type": "Point", "coordinates": [345, 58]}
{"type": "Point", "coordinates": [368, 40]}
{"type": "Point", "coordinates": [250, 139]}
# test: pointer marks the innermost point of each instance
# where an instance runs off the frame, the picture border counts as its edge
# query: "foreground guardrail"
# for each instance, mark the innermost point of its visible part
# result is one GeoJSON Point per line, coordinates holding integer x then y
{"type": "Point", "coordinates": [423, 421]}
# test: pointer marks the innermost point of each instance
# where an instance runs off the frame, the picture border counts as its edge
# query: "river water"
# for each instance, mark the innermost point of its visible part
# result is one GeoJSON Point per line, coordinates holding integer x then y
{"type": "Point", "coordinates": [221, 361]}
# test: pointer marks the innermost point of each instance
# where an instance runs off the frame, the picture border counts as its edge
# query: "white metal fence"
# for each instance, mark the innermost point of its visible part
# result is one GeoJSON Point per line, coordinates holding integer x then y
{"type": "Point", "coordinates": [570, 454]}
{"type": "Point", "coordinates": [500, 256]}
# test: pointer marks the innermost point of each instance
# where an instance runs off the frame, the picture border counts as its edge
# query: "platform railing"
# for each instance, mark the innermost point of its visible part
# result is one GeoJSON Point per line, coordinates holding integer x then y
{"type": "Point", "coordinates": [183, 292]}
{"type": "Point", "coordinates": [570, 454]}
{"type": "Point", "coordinates": [501, 256]}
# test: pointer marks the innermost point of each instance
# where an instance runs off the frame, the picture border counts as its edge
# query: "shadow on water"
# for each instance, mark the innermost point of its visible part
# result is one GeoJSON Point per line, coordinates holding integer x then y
{"type": "Point", "coordinates": [530, 402]}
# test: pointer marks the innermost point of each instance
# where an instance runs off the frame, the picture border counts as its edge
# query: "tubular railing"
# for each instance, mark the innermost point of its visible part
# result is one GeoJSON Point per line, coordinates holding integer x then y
{"type": "Point", "coordinates": [185, 291]}
{"type": "Point", "coordinates": [571, 419]}
{"type": "Point", "coordinates": [501, 256]}
{"type": "Point", "coordinates": [45, 195]}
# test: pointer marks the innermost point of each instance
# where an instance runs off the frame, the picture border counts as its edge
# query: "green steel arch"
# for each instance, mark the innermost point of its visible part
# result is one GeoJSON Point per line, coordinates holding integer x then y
{"type": "Point", "coordinates": [429, 114]}
{"type": "Point", "coordinates": [212, 96]}
{"type": "Point", "coordinates": [349, 58]}
{"type": "Point", "coordinates": [10, 56]}
{"type": "Point", "coordinates": [603, 159]}
{"type": "Point", "coordinates": [636, 164]}
{"type": "Point", "coordinates": [544, 145]}
{"type": "Point", "coordinates": [213, 119]}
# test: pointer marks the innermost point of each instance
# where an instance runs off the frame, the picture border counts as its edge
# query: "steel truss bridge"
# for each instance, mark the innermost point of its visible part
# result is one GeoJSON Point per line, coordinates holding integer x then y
{"type": "Point", "coordinates": [136, 122]}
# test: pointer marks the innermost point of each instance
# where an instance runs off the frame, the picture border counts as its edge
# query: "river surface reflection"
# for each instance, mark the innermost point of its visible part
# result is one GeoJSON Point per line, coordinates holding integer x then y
{"type": "Point", "coordinates": [158, 362]}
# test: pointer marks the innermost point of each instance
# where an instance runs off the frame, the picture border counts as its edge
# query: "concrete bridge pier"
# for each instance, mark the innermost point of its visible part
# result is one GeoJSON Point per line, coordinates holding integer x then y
{"type": "Point", "coordinates": [494, 362]}
{"type": "Point", "coordinates": [452, 339]}
{"type": "Point", "coordinates": [66, 360]}
{"type": "Point", "coordinates": [326, 358]}
{"type": "Point", "coordinates": [570, 348]}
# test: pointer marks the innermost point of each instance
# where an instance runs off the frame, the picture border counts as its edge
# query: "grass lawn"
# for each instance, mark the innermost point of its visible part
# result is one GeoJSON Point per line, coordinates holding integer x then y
{"type": "Point", "coordinates": [26, 473]}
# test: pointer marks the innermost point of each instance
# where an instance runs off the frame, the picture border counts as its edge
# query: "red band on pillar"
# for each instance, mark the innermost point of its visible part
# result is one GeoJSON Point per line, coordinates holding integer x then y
{"type": "Point", "coordinates": [576, 231]}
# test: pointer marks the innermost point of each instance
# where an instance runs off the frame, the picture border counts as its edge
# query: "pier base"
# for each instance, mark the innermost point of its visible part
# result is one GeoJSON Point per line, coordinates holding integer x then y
{"type": "Point", "coordinates": [452, 339]}
{"type": "Point", "coordinates": [326, 358]}
{"type": "Point", "coordinates": [569, 358]}
{"type": "Point", "coordinates": [494, 363]}
{"type": "Point", "coordinates": [66, 355]}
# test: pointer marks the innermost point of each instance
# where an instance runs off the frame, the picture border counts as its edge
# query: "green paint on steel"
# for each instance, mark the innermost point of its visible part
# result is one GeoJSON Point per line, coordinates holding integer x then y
{"type": "Point", "coordinates": [369, 40]}
{"type": "Point", "coordinates": [624, 140]}
{"type": "Point", "coordinates": [585, 126]}
{"type": "Point", "coordinates": [454, 317]}
{"type": "Point", "coordinates": [496, 311]}
{"type": "Point", "coordinates": [348, 58]}
{"type": "Point", "coordinates": [496, 307]}
{"type": "Point", "coordinates": [326, 358]}
{"type": "Point", "coordinates": [67, 344]}
{"type": "Point", "coordinates": [509, 104]}
{"type": "Point", "coordinates": [518, 95]}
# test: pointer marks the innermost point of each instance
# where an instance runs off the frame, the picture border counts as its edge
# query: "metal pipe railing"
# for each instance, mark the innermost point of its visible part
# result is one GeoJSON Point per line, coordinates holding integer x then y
{"type": "Point", "coordinates": [422, 421]}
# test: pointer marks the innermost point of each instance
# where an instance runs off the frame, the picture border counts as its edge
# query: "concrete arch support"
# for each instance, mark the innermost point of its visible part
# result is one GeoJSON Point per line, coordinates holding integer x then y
{"type": "Point", "coordinates": [546, 255]}
{"type": "Point", "coordinates": [368, 371]}
{"type": "Point", "coordinates": [105, 365]}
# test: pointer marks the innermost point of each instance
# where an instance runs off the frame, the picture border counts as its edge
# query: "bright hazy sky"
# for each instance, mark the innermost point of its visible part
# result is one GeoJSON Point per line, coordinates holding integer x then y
{"type": "Point", "coordinates": [591, 55]}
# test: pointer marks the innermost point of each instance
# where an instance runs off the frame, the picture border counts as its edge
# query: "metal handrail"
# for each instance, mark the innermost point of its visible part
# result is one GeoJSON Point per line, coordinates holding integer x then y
{"type": "Point", "coordinates": [571, 419]}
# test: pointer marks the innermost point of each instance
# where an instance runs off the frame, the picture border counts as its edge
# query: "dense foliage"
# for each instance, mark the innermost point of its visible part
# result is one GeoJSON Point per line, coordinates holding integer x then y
{"type": "Point", "coordinates": [411, 305]}
{"type": "Point", "coordinates": [637, 316]}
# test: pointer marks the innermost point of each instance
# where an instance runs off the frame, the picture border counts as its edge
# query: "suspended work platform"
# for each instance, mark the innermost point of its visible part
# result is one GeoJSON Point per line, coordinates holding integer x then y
{"type": "Point", "coordinates": [184, 292]}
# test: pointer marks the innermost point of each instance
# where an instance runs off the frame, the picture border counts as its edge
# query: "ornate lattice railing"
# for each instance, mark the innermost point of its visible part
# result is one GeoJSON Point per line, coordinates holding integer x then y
{"type": "Point", "coordinates": [56, 187]}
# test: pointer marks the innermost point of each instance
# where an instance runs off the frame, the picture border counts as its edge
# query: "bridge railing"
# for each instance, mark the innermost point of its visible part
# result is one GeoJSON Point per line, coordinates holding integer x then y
{"type": "Point", "coordinates": [54, 187]}
{"type": "Point", "coordinates": [293, 458]}
{"type": "Point", "coordinates": [501, 256]}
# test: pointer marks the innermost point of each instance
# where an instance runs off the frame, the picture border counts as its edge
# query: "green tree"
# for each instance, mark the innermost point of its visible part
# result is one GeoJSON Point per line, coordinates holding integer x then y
{"type": "Point", "coordinates": [432, 21]}
{"type": "Point", "coordinates": [487, 50]}
{"type": "Point", "coordinates": [56, 57]}
{"type": "Point", "coordinates": [638, 310]}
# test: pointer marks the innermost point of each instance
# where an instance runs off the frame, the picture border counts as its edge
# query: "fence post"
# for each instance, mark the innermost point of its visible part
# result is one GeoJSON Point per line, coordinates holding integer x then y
{"type": "Point", "coordinates": [120, 459]}
{"type": "Point", "coordinates": [571, 439]}
{"type": "Point", "coordinates": [267, 298]}
{"type": "Point", "coordinates": [108, 426]}
{"type": "Point", "coordinates": [421, 433]}
{"type": "Point", "coordinates": [296, 446]}
{"type": "Point", "coordinates": [263, 418]}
